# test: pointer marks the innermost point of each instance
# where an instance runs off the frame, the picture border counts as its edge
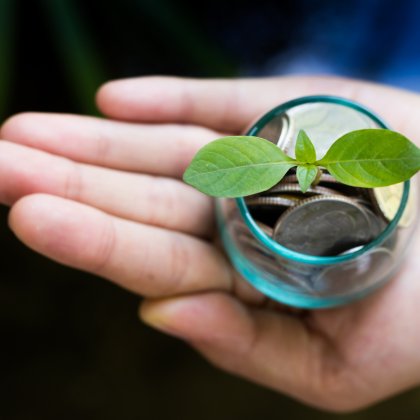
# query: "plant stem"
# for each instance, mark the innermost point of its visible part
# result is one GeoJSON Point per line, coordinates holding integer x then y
{"type": "Point", "coordinates": [317, 178]}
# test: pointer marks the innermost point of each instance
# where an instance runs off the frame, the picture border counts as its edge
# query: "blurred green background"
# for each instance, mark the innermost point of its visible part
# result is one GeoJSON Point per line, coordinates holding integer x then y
{"type": "Point", "coordinates": [72, 347]}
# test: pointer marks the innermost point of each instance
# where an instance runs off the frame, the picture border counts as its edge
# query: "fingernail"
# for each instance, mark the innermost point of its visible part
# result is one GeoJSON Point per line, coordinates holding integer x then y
{"type": "Point", "coordinates": [157, 318]}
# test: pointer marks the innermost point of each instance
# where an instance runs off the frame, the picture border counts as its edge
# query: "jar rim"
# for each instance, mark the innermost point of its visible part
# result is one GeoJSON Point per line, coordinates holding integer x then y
{"type": "Point", "coordinates": [288, 253]}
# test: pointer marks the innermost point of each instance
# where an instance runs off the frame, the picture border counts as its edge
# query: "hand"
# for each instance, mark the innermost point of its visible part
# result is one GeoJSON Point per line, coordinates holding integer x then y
{"type": "Point", "coordinates": [105, 196]}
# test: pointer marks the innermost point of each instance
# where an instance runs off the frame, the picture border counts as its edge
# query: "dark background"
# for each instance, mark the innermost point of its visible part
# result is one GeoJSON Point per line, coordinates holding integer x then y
{"type": "Point", "coordinates": [71, 344]}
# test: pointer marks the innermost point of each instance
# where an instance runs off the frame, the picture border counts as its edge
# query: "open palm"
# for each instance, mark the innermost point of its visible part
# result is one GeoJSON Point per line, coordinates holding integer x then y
{"type": "Point", "coordinates": [105, 196]}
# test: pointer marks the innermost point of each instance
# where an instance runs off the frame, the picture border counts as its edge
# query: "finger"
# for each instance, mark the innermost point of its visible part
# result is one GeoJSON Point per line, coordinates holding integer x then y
{"type": "Point", "coordinates": [147, 199]}
{"type": "Point", "coordinates": [154, 149]}
{"type": "Point", "coordinates": [144, 259]}
{"type": "Point", "coordinates": [269, 348]}
{"type": "Point", "coordinates": [231, 105]}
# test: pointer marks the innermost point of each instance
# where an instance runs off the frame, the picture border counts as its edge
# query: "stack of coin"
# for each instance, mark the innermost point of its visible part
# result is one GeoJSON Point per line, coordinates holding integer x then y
{"type": "Point", "coordinates": [329, 219]}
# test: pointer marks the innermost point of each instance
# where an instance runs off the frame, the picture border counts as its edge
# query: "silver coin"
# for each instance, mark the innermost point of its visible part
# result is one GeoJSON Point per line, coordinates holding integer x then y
{"type": "Point", "coordinates": [266, 229]}
{"type": "Point", "coordinates": [377, 224]}
{"type": "Point", "coordinates": [351, 250]}
{"type": "Point", "coordinates": [245, 240]}
{"type": "Point", "coordinates": [387, 200]}
{"type": "Point", "coordinates": [271, 201]}
{"type": "Point", "coordinates": [292, 280]}
{"type": "Point", "coordinates": [255, 251]}
{"type": "Point", "coordinates": [242, 233]}
{"type": "Point", "coordinates": [295, 188]}
{"type": "Point", "coordinates": [324, 123]}
{"type": "Point", "coordinates": [276, 130]}
{"type": "Point", "coordinates": [325, 177]}
{"type": "Point", "coordinates": [247, 243]}
{"type": "Point", "coordinates": [341, 278]}
{"type": "Point", "coordinates": [324, 225]}
{"type": "Point", "coordinates": [240, 225]}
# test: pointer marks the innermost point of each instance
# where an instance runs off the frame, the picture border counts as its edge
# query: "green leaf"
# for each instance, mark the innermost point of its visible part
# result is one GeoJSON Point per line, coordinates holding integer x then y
{"type": "Point", "coordinates": [372, 158]}
{"type": "Point", "coordinates": [306, 175]}
{"type": "Point", "coordinates": [237, 166]}
{"type": "Point", "coordinates": [304, 149]}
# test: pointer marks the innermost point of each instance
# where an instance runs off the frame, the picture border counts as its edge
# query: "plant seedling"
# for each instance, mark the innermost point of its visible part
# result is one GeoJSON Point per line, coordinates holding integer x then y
{"type": "Point", "coordinates": [238, 166]}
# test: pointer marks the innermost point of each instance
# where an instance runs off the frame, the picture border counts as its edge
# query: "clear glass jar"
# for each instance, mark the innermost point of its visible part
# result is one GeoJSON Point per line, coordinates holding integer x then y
{"type": "Point", "coordinates": [303, 280]}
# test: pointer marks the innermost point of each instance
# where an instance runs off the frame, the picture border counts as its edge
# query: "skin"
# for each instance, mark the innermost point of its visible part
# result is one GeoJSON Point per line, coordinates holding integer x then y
{"type": "Point", "coordinates": [100, 195]}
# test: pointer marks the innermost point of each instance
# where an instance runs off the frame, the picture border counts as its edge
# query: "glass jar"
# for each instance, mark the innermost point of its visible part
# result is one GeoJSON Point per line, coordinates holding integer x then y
{"type": "Point", "coordinates": [311, 281]}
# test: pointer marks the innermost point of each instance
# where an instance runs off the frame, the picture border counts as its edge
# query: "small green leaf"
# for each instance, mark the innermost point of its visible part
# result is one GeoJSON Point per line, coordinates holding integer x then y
{"type": "Point", "coordinates": [372, 158]}
{"type": "Point", "coordinates": [306, 175]}
{"type": "Point", "coordinates": [304, 149]}
{"type": "Point", "coordinates": [237, 166]}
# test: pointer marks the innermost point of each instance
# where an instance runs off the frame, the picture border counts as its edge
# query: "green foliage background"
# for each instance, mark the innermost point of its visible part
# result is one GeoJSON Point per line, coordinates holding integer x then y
{"type": "Point", "coordinates": [72, 347]}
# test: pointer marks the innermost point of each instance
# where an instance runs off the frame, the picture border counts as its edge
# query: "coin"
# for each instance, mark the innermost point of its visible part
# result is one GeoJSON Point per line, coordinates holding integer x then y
{"type": "Point", "coordinates": [271, 201]}
{"type": "Point", "coordinates": [295, 188]}
{"type": "Point", "coordinates": [242, 231]}
{"type": "Point", "coordinates": [324, 225]}
{"type": "Point", "coordinates": [387, 200]}
{"type": "Point", "coordinates": [267, 209]}
{"type": "Point", "coordinates": [291, 279]}
{"type": "Point", "coordinates": [248, 242]}
{"type": "Point", "coordinates": [325, 177]}
{"type": "Point", "coordinates": [266, 229]}
{"type": "Point", "coordinates": [363, 272]}
{"type": "Point", "coordinates": [377, 224]}
{"type": "Point", "coordinates": [276, 130]}
{"type": "Point", "coordinates": [324, 123]}
{"type": "Point", "coordinates": [327, 181]}
{"type": "Point", "coordinates": [351, 250]}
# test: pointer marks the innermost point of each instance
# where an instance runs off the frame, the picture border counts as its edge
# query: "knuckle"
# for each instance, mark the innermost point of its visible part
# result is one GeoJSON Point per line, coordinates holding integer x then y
{"type": "Point", "coordinates": [164, 196]}
{"type": "Point", "coordinates": [166, 272]}
{"type": "Point", "coordinates": [232, 106]}
{"type": "Point", "coordinates": [104, 251]}
{"type": "Point", "coordinates": [185, 144]}
{"type": "Point", "coordinates": [73, 188]}
{"type": "Point", "coordinates": [103, 146]}
{"type": "Point", "coordinates": [177, 268]}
